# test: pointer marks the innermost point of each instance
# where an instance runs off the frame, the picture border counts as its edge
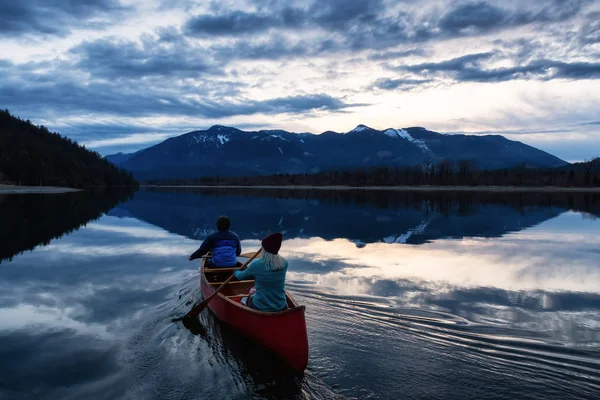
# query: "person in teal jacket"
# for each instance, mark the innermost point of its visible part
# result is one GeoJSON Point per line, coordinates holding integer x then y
{"type": "Point", "coordinates": [268, 273]}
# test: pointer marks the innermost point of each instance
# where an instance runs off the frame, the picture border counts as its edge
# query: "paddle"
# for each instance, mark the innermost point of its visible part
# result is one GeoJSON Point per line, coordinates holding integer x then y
{"type": "Point", "coordinates": [198, 309]}
{"type": "Point", "coordinates": [243, 255]}
{"type": "Point", "coordinates": [247, 255]}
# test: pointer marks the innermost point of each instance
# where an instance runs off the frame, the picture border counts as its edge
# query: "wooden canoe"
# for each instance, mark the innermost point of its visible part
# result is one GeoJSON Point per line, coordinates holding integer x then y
{"type": "Point", "coordinates": [283, 333]}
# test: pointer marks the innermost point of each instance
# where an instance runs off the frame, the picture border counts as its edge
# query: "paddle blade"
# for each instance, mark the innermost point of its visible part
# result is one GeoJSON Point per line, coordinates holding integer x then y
{"type": "Point", "coordinates": [194, 326]}
{"type": "Point", "coordinates": [193, 312]}
{"type": "Point", "coordinates": [197, 309]}
{"type": "Point", "coordinates": [200, 307]}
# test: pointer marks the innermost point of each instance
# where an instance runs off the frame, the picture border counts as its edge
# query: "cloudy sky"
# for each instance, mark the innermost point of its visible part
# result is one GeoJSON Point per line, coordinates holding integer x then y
{"type": "Point", "coordinates": [119, 75]}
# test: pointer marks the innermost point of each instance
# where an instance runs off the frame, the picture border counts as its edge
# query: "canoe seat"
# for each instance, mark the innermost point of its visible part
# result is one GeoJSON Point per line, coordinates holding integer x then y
{"type": "Point", "coordinates": [240, 288]}
{"type": "Point", "coordinates": [219, 270]}
{"type": "Point", "coordinates": [231, 282]}
{"type": "Point", "coordinates": [238, 297]}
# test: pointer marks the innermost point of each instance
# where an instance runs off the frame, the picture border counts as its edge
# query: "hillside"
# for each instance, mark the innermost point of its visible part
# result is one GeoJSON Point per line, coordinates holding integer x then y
{"type": "Point", "coordinates": [226, 151]}
{"type": "Point", "coordinates": [31, 155]}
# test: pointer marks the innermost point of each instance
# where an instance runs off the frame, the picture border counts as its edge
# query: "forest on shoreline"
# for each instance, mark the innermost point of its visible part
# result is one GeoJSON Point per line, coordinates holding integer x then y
{"type": "Point", "coordinates": [441, 173]}
{"type": "Point", "coordinates": [434, 201]}
{"type": "Point", "coordinates": [31, 155]}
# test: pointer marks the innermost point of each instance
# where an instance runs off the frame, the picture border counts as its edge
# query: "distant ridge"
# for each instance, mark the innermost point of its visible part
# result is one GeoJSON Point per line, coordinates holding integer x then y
{"type": "Point", "coordinates": [225, 151]}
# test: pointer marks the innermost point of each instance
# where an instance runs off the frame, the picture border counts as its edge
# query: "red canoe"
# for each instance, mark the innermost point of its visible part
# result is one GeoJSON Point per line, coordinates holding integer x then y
{"type": "Point", "coordinates": [283, 332]}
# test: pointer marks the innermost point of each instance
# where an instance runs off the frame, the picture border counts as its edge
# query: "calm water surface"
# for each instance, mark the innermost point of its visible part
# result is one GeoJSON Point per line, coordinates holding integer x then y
{"type": "Point", "coordinates": [407, 296]}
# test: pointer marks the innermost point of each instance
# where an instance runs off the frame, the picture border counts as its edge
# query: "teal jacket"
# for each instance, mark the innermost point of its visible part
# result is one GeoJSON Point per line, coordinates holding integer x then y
{"type": "Point", "coordinates": [269, 285]}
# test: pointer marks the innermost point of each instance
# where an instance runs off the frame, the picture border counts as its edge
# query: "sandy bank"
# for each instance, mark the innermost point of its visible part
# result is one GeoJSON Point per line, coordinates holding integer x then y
{"type": "Point", "coordinates": [11, 189]}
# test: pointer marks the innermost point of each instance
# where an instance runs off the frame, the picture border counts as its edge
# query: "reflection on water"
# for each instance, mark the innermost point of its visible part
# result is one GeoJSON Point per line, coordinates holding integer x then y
{"type": "Point", "coordinates": [416, 297]}
{"type": "Point", "coordinates": [364, 217]}
{"type": "Point", "coordinates": [30, 220]}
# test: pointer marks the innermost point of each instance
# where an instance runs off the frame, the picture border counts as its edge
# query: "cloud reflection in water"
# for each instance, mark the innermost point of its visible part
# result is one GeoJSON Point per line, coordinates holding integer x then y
{"type": "Point", "coordinates": [447, 311]}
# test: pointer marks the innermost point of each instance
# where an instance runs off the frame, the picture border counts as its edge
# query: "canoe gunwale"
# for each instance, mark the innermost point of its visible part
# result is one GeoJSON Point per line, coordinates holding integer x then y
{"type": "Point", "coordinates": [282, 333]}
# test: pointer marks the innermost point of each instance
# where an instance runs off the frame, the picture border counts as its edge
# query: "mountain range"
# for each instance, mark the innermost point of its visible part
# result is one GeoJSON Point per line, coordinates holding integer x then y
{"type": "Point", "coordinates": [228, 151]}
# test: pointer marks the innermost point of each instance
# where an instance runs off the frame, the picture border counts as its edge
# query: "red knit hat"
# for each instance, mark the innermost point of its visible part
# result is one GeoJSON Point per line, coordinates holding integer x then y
{"type": "Point", "coordinates": [272, 243]}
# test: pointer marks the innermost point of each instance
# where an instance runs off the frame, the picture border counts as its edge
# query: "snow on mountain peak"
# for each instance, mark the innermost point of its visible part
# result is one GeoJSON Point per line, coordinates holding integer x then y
{"type": "Point", "coordinates": [391, 133]}
{"type": "Point", "coordinates": [403, 134]}
{"type": "Point", "coordinates": [360, 128]}
{"type": "Point", "coordinates": [279, 137]}
{"type": "Point", "coordinates": [421, 144]}
{"type": "Point", "coordinates": [205, 137]}
{"type": "Point", "coordinates": [223, 138]}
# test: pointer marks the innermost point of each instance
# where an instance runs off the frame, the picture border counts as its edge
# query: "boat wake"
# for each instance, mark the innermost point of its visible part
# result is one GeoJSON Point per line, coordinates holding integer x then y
{"type": "Point", "coordinates": [417, 346]}
{"type": "Point", "coordinates": [205, 359]}
{"type": "Point", "coordinates": [359, 347]}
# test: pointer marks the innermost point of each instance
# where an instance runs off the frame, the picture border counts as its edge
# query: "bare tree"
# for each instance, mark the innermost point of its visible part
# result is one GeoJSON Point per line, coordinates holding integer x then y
{"type": "Point", "coordinates": [427, 165]}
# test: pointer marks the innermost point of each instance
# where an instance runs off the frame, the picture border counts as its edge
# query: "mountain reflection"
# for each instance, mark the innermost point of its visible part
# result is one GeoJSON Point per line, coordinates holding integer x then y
{"type": "Point", "coordinates": [360, 216]}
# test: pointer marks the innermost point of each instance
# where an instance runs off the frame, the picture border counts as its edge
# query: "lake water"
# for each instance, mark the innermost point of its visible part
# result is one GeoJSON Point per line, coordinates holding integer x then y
{"type": "Point", "coordinates": [408, 295]}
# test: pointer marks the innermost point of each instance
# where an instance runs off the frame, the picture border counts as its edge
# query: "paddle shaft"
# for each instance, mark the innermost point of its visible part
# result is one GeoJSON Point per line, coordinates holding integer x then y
{"type": "Point", "coordinates": [243, 255]}
{"type": "Point", "coordinates": [198, 309]}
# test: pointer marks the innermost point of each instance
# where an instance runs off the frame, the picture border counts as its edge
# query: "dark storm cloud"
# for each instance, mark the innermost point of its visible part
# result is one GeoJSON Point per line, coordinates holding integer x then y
{"type": "Point", "coordinates": [482, 16]}
{"type": "Point", "coordinates": [93, 131]}
{"type": "Point", "coordinates": [358, 21]}
{"type": "Point", "coordinates": [233, 23]}
{"type": "Point", "coordinates": [572, 70]}
{"type": "Point", "coordinates": [469, 69]}
{"type": "Point", "coordinates": [125, 59]}
{"type": "Point", "coordinates": [357, 25]}
{"type": "Point", "coordinates": [370, 25]}
{"type": "Point", "coordinates": [296, 104]}
{"type": "Point", "coordinates": [272, 49]}
{"type": "Point", "coordinates": [65, 93]}
{"type": "Point", "coordinates": [391, 55]}
{"type": "Point", "coordinates": [343, 14]}
{"type": "Point", "coordinates": [590, 31]}
{"type": "Point", "coordinates": [474, 15]}
{"type": "Point", "coordinates": [391, 84]}
{"type": "Point", "coordinates": [169, 54]}
{"type": "Point", "coordinates": [330, 14]}
{"type": "Point", "coordinates": [453, 65]}
{"type": "Point", "coordinates": [54, 17]}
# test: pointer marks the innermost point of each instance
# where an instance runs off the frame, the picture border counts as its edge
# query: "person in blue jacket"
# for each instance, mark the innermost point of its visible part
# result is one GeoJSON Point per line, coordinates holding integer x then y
{"type": "Point", "coordinates": [268, 272]}
{"type": "Point", "coordinates": [224, 244]}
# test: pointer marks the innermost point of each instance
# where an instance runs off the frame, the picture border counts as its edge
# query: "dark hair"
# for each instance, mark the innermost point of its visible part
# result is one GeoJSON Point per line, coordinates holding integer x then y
{"type": "Point", "coordinates": [223, 223]}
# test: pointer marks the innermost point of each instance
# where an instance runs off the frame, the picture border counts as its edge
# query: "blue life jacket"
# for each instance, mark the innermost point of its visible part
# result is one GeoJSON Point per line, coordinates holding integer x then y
{"type": "Point", "coordinates": [225, 247]}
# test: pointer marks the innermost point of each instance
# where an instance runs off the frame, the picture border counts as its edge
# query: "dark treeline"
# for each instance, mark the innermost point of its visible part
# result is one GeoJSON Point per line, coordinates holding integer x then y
{"type": "Point", "coordinates": [442, 173]}
{"type": "Point", "coordinates": [443, 203]}
{"type": "Point", "coordinates": [31, 220]}
{"type": "Point", "coordinates": [32, 155]}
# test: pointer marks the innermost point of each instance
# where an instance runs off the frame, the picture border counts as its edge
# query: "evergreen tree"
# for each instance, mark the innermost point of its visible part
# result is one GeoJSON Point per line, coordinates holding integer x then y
{"type": "Point", "coordinates": [32, 155]}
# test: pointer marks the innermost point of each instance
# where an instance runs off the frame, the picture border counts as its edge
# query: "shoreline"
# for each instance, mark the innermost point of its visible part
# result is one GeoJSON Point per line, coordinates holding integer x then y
{"type": "Point", "coordinates": [14, 189]}
{"type": "Point", "coordinates": [541, 189]}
